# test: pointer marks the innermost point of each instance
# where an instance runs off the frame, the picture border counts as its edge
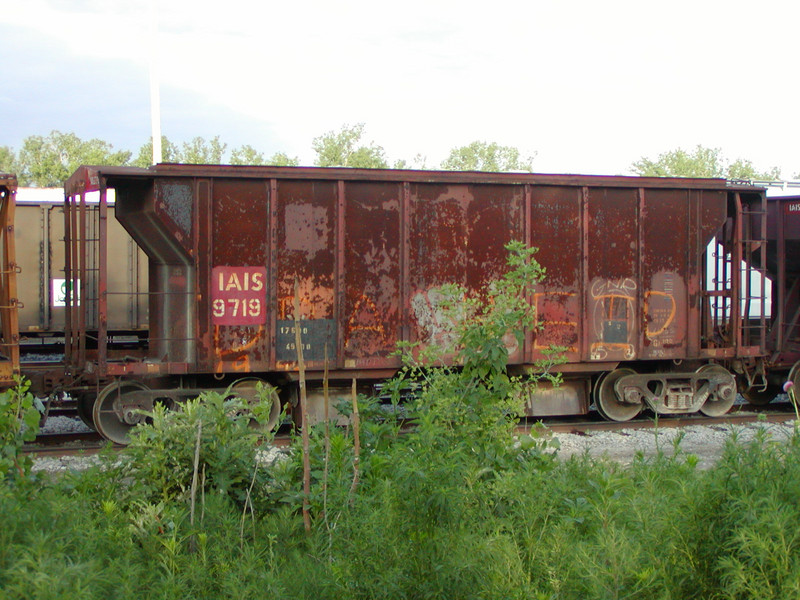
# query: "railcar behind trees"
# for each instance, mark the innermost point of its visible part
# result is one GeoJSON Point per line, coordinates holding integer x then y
{"type": "Point", "coordinates": [654, 286]}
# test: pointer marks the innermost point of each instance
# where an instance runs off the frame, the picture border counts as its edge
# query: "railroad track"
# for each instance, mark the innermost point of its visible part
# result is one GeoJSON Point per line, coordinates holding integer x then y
{"type": "Point", "coordinates": [65, 444]}
{"type": "Point", "coordinates": [739, 415]}
{"type": "Point", "coordinates": [90, 442]}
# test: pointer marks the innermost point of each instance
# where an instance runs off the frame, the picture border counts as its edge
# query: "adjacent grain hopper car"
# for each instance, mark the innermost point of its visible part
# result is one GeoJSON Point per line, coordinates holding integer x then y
{"type": "Point", "coordinates": [783, 272]}
{"type": "Point", "coordinates": [654, 286]}
{"type": "Point", "coordinates": [9, 325]}
{"type": "Point", "coordinates": [40, 235]}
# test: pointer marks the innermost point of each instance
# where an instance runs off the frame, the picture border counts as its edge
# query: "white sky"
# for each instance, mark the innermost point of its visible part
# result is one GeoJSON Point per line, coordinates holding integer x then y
{"type": "Point", "coordinates": [588, 86]}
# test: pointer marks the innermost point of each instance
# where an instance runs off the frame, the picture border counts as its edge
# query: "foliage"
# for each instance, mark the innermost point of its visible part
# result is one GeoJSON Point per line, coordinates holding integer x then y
{"type": "Point", "coordinates": [247, 155]}
{"type": "Point", "coordinates": [416, 525]}
{"type": "Point", "coordinates": [483, 156]}
{"type": "Point", "coordinates": [169, 153]}
{"type": "Point", "coordinates": [19, 423]}
{"type": "Point", "coordinates": [751, 542]}
{"type": "Point", "coordinates": [202, 151]}
{"type": "Point", "coordinates": [702, 162]}
{"type": "Point", "coordinates": [419, 162]}
{"type": "Point", "coordinates": [199, 151]}
{"type": "Point", "coordinates": [281, 159]}
{"type": "Point", "coordinates": [8, 160]}
{"type": "Point", "coordinates": [480, 328]}
{"type": "Point", "coordinates": [49, 161]}
{"type": "Point", "coordinates": [743, 169]}
{"type": "Point", "coordinates": [160, 458]}
{"type": "Point", "coordinates": [425, 522]}
{"type": "Point", "coordinates": [344, 148]}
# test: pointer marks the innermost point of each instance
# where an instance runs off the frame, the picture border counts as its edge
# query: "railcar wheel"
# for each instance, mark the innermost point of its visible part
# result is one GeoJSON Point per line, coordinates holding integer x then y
{"type": "Point", "coordinates": [794, 377]}
{"type": "Point", "coordinates": [111, 417]}
{"type": "Point", "coordinates": [84, 404]}
{"type": "Point", "coordinates": [608, 403]}
{"type": "Point", "coordinates": [246, 390]}
{"type": "Point", "coordinates": [722, 398]}
{"type": "Point", "coordinates": [761, 397]}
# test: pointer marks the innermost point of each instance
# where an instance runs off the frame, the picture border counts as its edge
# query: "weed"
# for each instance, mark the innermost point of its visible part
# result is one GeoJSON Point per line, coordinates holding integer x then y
{"type": "Point", "coordinates": [19, 423]}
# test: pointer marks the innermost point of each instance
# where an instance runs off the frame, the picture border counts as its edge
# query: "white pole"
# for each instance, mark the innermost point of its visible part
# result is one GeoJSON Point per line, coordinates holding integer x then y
{"type": "Point", "coordinates": [155, 97]}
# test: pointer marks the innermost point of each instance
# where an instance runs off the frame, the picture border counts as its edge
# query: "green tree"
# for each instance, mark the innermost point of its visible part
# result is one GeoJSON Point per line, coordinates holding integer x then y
{"type": "Point", "coordinates": [247, 155]}
{"type": "Point", "coordinates": [48, 161]}
{"type": "Point", "coordinates": [483, 156]}
{"type": "Point", "coordinates": [419, 162]}
{"type": "Point", "coordinates": [744, 169]}
{"type": "Point", "coordinates": [169, 153]}
{"type": "Point", "coordinates": [344, 148]}
{"type": "Point", "coordinates": [8, 160]}
{"type": "Point", "coordinates": [198, 151]}
{"type": "Point", "coordinates": [281, 159]}
{"type": "Point", "coordinates": [701, 162]}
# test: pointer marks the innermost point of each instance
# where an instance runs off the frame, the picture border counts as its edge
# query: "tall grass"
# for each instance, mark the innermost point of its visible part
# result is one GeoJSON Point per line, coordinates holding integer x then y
{"type": "Point", "coordinates": [418, 527]}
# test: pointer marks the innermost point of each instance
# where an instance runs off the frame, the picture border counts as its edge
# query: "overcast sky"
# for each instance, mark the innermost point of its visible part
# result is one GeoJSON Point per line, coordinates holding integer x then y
{"type": "Point", "coordinates": [588, 86]}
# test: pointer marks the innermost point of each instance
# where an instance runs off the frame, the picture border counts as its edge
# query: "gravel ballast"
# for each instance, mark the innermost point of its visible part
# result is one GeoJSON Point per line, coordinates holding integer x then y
{"type": "Point", "coordinates": [706, 442]}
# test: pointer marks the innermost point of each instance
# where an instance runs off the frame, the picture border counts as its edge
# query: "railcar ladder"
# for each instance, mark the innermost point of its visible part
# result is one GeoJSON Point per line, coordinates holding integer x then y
{"type": "Point", "coordinates": [750, 252]}
{"type": "Point", "coordinates": [81, 241]}
{"type": "Point", "coordinates": [9, 304]}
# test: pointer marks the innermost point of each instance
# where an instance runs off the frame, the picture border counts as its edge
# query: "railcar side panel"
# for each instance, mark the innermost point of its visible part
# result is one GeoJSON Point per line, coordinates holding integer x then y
{"type": "Point", "coordinates": [371, 283]}
{"type": "Point", "coordinates": [611, 284]}
{"type": "Point", "coordinates": [557, 229]}
{"type": "Point", "coordinates": [665, 249]}
{"type": "Point", "coordinates": [238, 277]}
{"type": "Point", "coordinates": [457, 235]}
{"type": "Point", "coordinates": [305, 260]}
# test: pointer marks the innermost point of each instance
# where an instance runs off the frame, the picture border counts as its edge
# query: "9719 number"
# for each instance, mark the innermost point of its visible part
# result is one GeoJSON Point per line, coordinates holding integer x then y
{"type": "Point", "coordinates": [237, 307]}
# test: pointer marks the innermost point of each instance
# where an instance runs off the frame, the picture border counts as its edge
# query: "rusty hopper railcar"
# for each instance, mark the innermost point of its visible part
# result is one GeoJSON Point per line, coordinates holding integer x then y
{"type": "Point", "coordinates": [647, 279]}
{"type": "Point", "coordinates": [783, 272]}
{"type": "Point", "coordinates": [9, 320]}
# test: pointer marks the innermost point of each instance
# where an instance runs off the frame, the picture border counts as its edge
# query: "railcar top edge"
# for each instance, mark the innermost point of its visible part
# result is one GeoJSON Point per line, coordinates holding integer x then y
{"type": "Point", "coordinates": [87, 178]}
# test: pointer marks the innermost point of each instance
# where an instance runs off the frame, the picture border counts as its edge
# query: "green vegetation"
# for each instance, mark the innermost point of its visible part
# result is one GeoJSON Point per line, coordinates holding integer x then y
{"type": "Point", "coordinates": [428, 518]}
{"type": "Point", "coordinates": [484, 156]}
{"type": "Point", "coordinates": [455, 507]}
{"type": "Point", "coordinates": [19, 423]}
{"type": "Point", "coordinates": [701, 162]}
{"type": "Point", "coordinates": [47, 161]}
{"type": "Point", "coordinates": [344, 148]}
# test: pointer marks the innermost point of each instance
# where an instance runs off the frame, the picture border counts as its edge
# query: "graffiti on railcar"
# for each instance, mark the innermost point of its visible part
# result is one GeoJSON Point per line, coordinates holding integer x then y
{"type": "Point", "coordinates": [664, 317]}
{"type": "Point", "coordinates": [613, 318]}
{"type": "Point", "coordinates": [616, 319]}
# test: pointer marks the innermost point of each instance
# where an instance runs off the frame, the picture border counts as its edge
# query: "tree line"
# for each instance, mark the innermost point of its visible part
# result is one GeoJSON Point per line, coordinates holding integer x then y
{"type": "Point", "coordinates": [47, 161]}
